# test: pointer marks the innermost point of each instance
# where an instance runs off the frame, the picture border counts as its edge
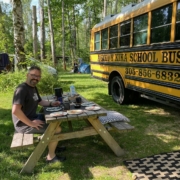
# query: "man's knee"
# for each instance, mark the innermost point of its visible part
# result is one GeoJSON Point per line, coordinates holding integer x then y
{"type": "Point", "coordinates": [58, 129]}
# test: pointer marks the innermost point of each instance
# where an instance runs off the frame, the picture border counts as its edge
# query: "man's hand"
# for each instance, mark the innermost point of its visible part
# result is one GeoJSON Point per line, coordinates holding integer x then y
{"type": "Point", "coordinates": [37, 124]}
{"type": "Point", "coordinates": [55, 103]}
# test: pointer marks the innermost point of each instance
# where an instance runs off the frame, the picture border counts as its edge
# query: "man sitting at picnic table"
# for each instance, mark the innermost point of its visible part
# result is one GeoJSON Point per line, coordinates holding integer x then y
{"type": "Point", "coordinates": [25, 102]}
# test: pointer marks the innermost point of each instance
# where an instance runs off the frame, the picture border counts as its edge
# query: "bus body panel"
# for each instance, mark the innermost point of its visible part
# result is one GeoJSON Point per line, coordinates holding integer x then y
{"type": "Point", "coordinates": [152, 68]}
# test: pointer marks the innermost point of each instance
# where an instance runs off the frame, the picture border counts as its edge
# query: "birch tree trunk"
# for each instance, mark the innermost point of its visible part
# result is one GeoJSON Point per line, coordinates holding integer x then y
{"type": "Point", "coordinates": [74, 32]}
{"type": "Point", "coordinates": [71, 39]}
{"type": "Point", "coordinates": [34, 19]}
{"type": "Point", "coordinates": [51, 33]}
{"type": "Point", "coordinates": [63, 37]}
{"type": "Point", "coordinates": [42, 31]}
{"type": "Point", "coordinates": [105, 9]}
{"type": "Point", "coordinates": [115, 9]}
{"type": "Point", "coordinates": [18, 33]}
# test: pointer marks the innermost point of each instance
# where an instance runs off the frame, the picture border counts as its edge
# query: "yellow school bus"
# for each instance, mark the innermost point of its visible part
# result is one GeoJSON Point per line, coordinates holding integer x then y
{"type": "Point", "coordinates": [138, 52]}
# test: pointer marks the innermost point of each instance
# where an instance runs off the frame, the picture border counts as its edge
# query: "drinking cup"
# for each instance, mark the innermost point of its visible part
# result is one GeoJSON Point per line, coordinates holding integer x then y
{"type": "Point", "coordinates": [58, 92]}
{"type": "Point", "coordinates": [60, 99]}
{"type": "Point", "coordinates": [66, 105]}
{"type": "Point", "coordinates": [78, 100]}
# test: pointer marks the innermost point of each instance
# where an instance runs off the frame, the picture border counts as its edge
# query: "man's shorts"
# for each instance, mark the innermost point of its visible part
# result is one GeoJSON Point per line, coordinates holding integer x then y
{"type": "Point", "coordinates": [31, 130]}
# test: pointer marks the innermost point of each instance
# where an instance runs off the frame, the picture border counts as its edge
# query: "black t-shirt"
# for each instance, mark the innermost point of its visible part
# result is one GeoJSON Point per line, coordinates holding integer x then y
{"type": "Point", "coordinates": [29, 98]}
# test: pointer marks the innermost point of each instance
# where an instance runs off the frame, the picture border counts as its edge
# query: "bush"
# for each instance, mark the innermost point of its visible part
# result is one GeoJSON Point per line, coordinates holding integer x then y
{"type": "Point", "coordinates": [48, 83]}
{"type": "Point", "coordinates": [9, 81]}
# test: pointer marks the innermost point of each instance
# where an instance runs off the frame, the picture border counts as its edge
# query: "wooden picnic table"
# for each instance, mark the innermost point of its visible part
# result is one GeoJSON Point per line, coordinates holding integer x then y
{"type": "Point", "coordinates": [91, 117]}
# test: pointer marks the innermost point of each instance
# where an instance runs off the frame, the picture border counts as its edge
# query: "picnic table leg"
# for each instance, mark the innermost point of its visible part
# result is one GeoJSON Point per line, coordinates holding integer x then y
{"type": "Point", "coordinates": [70, 125]}
{"type": "Point", "coordinates": [39, 149]}
{"type": "Point", "coordinates": [106, 136]}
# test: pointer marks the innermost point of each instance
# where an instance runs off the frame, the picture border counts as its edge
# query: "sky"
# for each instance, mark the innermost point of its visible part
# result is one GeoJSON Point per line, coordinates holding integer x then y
{"type": "Point", "coordinates": [34, 2]}
{"type": "Point", "coordinates": [5, 1]}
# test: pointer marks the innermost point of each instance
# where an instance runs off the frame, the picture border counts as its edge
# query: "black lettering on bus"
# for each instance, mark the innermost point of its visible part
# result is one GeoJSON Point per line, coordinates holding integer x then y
{"type": "Point", "coordinates": [108, 58]}
{"type": "Point", "coordinates": [121, 57]}
{"type": "Point", "coordinates": [150, 57]}
{"type": "Point", "coordinates": [131, 57]}
{"type": "Point", "coordinates": [111, 57]}
{"type": "Point", "coordinates": [172, 55]}
{"type": "Point", "coordinates": [105, 58]}
{"type": "Point", "coordinates": [164, 57]}
{"type": "Point", "coordinates": [144, 57]}
{"type": "Point", "coordinates": [125, 57]}
{"type": "Point", "coordinates": [135, 55]}
{"type": "Point", "coordinates": [154, 57]}
{"type": "Point", "coordinates": [100, 58]}
{"type": "Point", "coordinates": [139, 57]}
{"type": "Point", "coordinates": [177, 77]}
{"type": "Point", "coordinates": [178, 57]}
{"type": "Point", "coordinates": [116, 57]}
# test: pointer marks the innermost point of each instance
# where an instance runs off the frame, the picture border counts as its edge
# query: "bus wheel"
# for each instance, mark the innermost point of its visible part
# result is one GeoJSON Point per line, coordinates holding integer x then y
{"type": "Point", "coordinates": [118, 92]}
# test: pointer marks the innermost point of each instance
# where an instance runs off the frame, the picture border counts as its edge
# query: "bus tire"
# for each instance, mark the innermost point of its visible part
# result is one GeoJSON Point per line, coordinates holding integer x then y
{"type": "Point", "coordinates": [119, 94]}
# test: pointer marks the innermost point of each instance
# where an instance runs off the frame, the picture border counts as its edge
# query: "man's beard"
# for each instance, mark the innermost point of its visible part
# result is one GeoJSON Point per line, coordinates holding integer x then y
{"type": "Point", "coordinates": [33, 83]}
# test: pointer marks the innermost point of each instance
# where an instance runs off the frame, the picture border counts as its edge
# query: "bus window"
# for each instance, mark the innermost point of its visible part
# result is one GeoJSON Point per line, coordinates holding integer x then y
{"type": "Point", "coordinates": [140, 29]}
{"type": "Point", "coordinates": [125, 30]}
{"type": "Point", "coordinates": [113, 39]}
{"type": "Point", "coordinates": [161, 24]}
{"type": "Point", "coordinates": [178, 22]}
{"type": "Point", "coordinates": [97, 41]}
{"type": "Point", "coordinates": [104, 39]}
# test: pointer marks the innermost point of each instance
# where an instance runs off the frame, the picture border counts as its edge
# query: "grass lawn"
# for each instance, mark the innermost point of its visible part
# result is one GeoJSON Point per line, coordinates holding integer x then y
{"type": "Point", "coordinates": [157, 130]}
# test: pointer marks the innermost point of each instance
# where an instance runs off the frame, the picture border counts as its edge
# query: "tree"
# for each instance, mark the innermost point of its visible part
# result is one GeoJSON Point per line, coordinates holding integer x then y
{"type": "Point", "coordinates": [42, 31]}
{"type": "Point", "coordinates": [6, 30]}
{"type": "Point", "coordinates": [18, 33]}
{"type": "Point", "coordinates": [51, 33]}
{"type": "Point", "coordinates": [35, 44]}
{"type": "Point", "coordinates": [105, 9]}
{"type": "Point", "coordinates": [63, 36]}
{"type": "Point", "coordinates": [27, 21]}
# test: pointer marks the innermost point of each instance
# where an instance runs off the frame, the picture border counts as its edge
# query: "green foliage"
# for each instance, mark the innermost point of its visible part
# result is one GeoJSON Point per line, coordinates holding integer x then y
{"type": "Point", "coordinates": [9, 81]}
{"type": "Point", "coordinates": [6, 33]}
{"type": "Point", "coordinates": [48, 82]}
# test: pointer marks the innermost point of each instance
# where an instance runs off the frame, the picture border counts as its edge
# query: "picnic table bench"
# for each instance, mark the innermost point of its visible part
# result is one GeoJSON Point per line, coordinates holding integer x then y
{"type": "Point", "coordinates": [22, 140]}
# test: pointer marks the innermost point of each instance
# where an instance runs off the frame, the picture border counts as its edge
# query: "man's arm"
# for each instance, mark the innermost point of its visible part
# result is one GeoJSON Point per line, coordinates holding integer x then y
{"type": "Point", "coordinates": [16, 110]}
{"type": "Point", "coordinates": [49, 103]}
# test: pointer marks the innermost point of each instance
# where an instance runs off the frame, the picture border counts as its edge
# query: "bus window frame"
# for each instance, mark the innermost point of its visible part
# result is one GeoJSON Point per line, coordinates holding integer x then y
{"type": "Point", "coordinates": [125, 35]}
{"type": "Point", "coordinates": [140, 31]}
{"type": "Point", "coordinates": [113, 37]}
{"type": "Point", "coordinates": [160, 26]}
{"type": "Point", "coordinates": [102, 40]}
{"type": "Point", "coordinates": [97, 41]}
{"type": "Point", "coordinates": [177, 21]}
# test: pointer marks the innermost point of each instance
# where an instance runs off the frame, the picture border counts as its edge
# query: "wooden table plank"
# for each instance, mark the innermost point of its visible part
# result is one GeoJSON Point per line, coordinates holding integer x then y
{"type": "Point", "coordinates": [76, 134]}
{"type": "Point", "coordinates": [17, 140]}
{"type": "Point", "coordinates": [121, 125]}
{"type": "Point", "coordinates": [27, 140]}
